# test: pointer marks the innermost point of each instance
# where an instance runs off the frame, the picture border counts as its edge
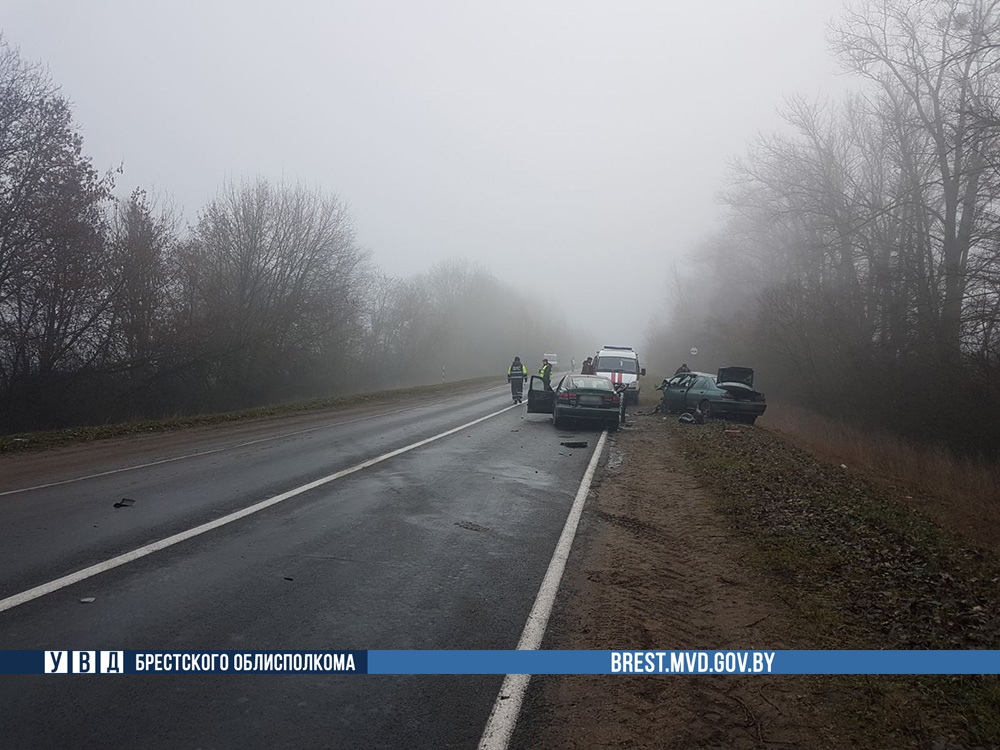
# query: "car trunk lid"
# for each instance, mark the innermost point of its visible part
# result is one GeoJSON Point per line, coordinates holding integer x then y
{"type": "Point", "coordinates": [738, 381]}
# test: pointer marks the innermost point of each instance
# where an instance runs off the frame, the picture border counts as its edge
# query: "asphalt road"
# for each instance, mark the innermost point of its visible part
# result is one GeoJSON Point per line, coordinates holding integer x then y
{"type": "Point", "coordinates": [441, 547]}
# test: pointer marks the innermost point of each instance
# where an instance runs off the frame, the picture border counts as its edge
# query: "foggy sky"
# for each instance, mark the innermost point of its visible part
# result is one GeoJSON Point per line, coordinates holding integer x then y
{"type": "Point", "coordinates": [544, 140]}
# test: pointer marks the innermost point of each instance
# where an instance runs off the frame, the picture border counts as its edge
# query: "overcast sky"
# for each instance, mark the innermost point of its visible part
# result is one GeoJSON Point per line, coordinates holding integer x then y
{"type": "Point", "coordinates": [544, 139]}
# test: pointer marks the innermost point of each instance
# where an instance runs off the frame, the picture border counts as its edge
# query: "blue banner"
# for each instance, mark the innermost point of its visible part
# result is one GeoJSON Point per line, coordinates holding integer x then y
{"type": "Point", "coordinates": [500, 662]}
{"type": "Point", "coordinates": [684, 662]}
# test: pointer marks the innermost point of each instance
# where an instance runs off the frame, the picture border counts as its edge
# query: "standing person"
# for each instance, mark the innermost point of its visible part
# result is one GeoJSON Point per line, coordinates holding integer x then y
{"type": "Point", "coordinates": [516, 375]}
{"type": "Point", "coordinates": [546, 373]}
{"type": "Point", "coordinates": [572, 364]}
{"type": "Point", "coordinates": [682, 369]}
{"type": "Point", "coordinates": [587, 368]}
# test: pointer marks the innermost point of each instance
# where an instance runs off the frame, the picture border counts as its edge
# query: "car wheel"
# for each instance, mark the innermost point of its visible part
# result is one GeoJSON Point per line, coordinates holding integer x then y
{"type": "Point", "coordinates": [750, 419]}
{"type": "Point", "coordinates": [558, 422]}
{"type": "Point", "coordinates": [612, 426]}
{"type": "Point", "coordinates": [705, 407]}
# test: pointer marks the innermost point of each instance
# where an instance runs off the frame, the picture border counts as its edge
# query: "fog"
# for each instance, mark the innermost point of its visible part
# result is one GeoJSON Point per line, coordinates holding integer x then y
{"type": "Point", "coordinates": [573, 148]}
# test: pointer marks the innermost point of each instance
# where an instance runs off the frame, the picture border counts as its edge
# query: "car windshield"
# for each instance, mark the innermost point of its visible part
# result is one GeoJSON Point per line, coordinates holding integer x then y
{"type": "Point", "coordinates": [589, 382]}
{"type": "Point", "coordinates": [616, 364]}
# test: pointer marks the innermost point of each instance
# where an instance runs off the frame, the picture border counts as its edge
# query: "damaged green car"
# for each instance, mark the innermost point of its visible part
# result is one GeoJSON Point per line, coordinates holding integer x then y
{"type": "Point", "coordinates": [729, 394]}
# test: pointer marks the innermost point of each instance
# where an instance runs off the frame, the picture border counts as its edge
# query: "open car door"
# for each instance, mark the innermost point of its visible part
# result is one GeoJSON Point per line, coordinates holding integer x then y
{"type": "Point", "coordinates": [540, 400]}
{"type": "Point", "coordinates": [675, 391]}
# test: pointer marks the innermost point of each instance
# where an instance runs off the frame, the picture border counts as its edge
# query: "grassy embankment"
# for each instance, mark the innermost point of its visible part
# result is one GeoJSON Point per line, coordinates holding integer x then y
{"type": "Point", "coordinates": [33, 441]}
{"type": "Point", "coordinates": [961, 494]}
{"type": "Point", "coordinates": [864, 564]}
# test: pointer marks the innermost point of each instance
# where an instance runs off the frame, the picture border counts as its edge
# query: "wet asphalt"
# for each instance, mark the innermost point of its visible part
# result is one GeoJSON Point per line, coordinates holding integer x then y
{"type": "Point", "coordinates": [443, 547]}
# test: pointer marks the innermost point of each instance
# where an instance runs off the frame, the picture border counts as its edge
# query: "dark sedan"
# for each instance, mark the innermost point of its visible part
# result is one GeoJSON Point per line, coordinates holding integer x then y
{"type": "Point", "coordinates": [577, 397]}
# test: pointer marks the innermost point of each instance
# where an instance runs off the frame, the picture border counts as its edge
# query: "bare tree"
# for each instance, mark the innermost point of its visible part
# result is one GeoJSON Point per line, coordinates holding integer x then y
{"type": "Point", "coordinates": [934, 60]}
{"type": "Point", "coordinates": [53, 293]}
{"type": "Point", "coordinates": [280, 281]}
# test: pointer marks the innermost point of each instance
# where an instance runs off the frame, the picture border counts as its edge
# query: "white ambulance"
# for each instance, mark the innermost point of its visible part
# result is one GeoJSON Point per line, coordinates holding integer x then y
{"type": "Point", "coordinates": [621, 364]}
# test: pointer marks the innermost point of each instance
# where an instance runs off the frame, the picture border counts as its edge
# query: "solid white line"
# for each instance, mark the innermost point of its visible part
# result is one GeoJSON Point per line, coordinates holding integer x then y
{"type": "Point", "coordinates": [507, 706]}
{"type": "Point", "coordinates": [209, 452]}
{"type": "Point", "coordinates": [47, 588]}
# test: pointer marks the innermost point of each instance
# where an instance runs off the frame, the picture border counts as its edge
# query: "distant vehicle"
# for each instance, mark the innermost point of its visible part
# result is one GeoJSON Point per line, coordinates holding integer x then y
{"type": "Point", "coordinates": [553, 359]}
{"type": "Point", "coordinates": [729, 393]}
{"type": "Point", "coordinates": [591, 398]}
{"type": "Point", "coordinates": [621, 364]}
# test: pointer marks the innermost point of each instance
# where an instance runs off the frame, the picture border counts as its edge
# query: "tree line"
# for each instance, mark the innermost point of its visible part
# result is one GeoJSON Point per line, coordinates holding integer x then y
{"type": "Point", "coordinates": [114, 309]}
{"type": "Point", "coordinates": [859, 261]}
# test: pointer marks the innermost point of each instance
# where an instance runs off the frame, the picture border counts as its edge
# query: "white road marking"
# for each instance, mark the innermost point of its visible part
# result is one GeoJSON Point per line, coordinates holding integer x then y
{"type": "Point", "coordinates": [47, 588]}
{"type": "Point", "coordinates": [507, 706]}
{"type": "Point", "coordinates": [209, 452]}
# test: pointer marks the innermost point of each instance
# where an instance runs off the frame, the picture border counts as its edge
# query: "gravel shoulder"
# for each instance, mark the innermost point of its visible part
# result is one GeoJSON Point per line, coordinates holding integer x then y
{"type": "Point", "coordinates": [695, 538]}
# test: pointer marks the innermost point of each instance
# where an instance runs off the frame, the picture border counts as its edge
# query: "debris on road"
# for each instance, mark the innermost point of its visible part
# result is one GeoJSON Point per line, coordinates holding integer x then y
{"type": "Point", "coordinates": [574, 443]}
{"type": "Point", "coordinates": [289, 578]}
{"type": "Point", "coordinates": [730, 432]}
{"type": "Point", "coordinates": [125, 502]}
{"type": "Point", "coordinates": [616, 457]}
{"type": "Point", "coordinates": [88, 600]}
{"type": "Point", "coordinates": [471, 526]}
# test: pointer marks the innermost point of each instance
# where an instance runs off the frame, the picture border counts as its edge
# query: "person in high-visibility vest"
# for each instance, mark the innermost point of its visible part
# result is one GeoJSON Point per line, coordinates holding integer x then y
{"type": "Point", "coordinates": [546, 373]}
{"type": "Point", "coordinates": [572, 364]}
{"type": "Point", "coordinates": [517, 373]}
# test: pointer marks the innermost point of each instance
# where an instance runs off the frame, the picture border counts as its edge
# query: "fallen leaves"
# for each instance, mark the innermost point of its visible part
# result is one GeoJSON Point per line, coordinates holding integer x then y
{"type": "Point", "coordinates": [887, 567]}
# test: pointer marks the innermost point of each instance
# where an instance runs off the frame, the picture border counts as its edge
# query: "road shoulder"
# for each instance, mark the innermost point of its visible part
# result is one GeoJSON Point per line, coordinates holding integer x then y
{"type": "Point", "coordinates": [698, 538]}
{"type": "Point", "coordinates": [656, 567]}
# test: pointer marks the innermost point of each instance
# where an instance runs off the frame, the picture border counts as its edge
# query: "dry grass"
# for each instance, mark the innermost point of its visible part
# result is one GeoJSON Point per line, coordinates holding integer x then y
{"type": "Point", "coordinates": [859, 570]}
{"type": "Point", "coordinates": [961, 495]}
